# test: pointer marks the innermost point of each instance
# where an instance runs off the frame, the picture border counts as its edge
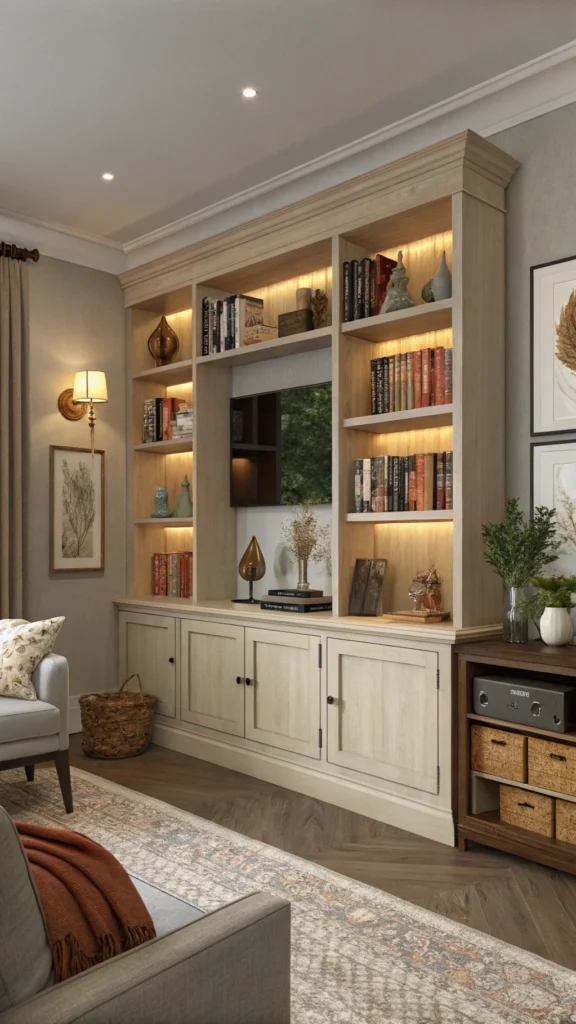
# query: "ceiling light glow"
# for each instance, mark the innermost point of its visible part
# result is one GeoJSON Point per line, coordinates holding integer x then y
{"type": "Point", "coordinates": [249, 92]}
{"type": "Point", "coordinates": [107, 176]}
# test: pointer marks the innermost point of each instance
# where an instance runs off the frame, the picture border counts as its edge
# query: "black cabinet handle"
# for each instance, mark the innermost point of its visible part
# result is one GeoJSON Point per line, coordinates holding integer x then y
{"type": "Point", "coordinates": [248, 681]}
{"type": "Point", "coordinates": [524, 803]}
{"type": "Point", "coordinates": [239, 680]}
{"type": "Point", "coordinates": [171, 660]}
{"type": "Point", "coordinates": [329, 700]}
{"type": "Point", "coordinates": [558, 757]}
{"type": "Point", "coordinates": [499, 743]}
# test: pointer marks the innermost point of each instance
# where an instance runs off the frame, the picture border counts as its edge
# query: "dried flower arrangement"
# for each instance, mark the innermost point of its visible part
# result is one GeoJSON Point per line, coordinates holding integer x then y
{"type": "Point", "coordinates": [306, 540]}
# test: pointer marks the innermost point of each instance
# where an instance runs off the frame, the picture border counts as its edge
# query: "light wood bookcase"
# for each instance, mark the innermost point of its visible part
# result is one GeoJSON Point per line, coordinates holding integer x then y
{"type": "Point", "coordinates": [449, 196]}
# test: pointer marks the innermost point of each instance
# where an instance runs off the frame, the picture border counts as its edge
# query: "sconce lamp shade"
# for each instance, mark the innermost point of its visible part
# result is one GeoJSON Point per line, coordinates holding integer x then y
{"type": "Point", "coordinates": [90, 386]}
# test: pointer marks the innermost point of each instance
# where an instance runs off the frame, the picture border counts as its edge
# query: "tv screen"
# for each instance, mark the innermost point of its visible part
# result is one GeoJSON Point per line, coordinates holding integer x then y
{"type": "Point", "coordinates": [281, 447]}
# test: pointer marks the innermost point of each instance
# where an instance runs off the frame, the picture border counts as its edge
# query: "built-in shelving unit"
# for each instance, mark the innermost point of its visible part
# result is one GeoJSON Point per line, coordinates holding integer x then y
{"type": "Point", "coordinates": [172, 522]}
{"type": "Point", "coordinates": [456, 191]}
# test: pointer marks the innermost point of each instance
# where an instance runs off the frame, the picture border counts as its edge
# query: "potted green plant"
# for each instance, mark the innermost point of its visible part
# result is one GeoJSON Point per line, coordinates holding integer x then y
{"type": "Point", "coordinates": [518, 550]}
{"type": "Point", "coordinates": [551, 604]}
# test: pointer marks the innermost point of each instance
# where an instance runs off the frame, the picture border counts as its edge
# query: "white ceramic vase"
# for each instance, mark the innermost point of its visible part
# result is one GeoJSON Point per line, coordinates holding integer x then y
{"type": "Point", "coordinates": [441, 283]}
{"type": "Point", "coordinates": [556, 627]}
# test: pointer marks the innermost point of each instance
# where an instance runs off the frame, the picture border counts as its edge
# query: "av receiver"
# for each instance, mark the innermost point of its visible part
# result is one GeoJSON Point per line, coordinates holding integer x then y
{"type": "Point", "coordinates": [541, 702]}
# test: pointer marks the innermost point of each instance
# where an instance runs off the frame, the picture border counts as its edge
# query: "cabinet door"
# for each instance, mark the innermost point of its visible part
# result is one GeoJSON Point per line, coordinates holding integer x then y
{"type": "Point", "coordinates": [283, 696]}
{"type": "Point", "coordinates": [211, 661]}
{"type": "Point", "coordinates": [148, 647]}
{"type": "Point", "coordinates": [383, 712]}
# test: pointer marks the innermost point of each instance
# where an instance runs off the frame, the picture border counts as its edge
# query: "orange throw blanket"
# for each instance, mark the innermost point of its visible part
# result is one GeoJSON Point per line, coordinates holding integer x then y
{"type": "Point", "coordinates": [93, 910]}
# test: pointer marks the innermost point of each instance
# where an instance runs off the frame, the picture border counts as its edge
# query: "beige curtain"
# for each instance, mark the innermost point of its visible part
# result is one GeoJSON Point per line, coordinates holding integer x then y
{"type": "Point", "coordinates": [13, 345]}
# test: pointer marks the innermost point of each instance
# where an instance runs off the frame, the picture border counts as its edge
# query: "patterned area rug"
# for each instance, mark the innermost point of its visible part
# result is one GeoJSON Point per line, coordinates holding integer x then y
{"type": "Point", "coordinates": [359, 956]}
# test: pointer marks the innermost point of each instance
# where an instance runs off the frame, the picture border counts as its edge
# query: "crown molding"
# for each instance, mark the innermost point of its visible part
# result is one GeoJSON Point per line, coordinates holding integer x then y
{"type": "Point", "coordinates": [534, 88]}
{"type": "Point", "coordinates": [537, 87]}
{"type": "Point", "coordinates": [62, 244]}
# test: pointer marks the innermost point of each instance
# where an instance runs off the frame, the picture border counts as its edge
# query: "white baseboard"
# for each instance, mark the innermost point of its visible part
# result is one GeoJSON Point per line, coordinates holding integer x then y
{"type": "Point", "coordinates": [74, 720]}
{"type": "Point", "coordinates": [431, 822]}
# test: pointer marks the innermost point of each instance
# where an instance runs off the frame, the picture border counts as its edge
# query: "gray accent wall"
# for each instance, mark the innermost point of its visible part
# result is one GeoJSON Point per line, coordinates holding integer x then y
{"type": "Point", "coordinates": [76, 322]}
{"type": "Point", "coordinates": [541, 226]}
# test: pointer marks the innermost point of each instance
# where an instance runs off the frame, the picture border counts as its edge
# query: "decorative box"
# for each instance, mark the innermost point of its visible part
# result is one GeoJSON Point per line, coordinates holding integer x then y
{"type": "Point", "coordinates": [500, 753]}
{"type": "Point", "coordinates": [296, 322]}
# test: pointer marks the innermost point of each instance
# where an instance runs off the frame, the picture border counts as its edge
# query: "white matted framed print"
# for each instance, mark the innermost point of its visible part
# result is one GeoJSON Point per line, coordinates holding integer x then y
{"type": "Point", "coordinates": [76, 510]}
{"type": "Point", "coordinates": [554, 485]}
{"type": "Point", "coordinates": [553, 329]}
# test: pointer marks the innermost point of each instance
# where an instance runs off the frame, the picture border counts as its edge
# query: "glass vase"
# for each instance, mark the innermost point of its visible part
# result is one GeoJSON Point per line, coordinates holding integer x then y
{"type": "Point", "coordinates": [515, 617]}
{"type": "Point", "coordinates": [303, 583]}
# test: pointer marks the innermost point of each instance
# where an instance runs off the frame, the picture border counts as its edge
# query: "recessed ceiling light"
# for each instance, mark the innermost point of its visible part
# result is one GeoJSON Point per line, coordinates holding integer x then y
{"type": "Point", "coordinates": [107, 176]}
{"type": "Point", "coordinates": [249, 92]}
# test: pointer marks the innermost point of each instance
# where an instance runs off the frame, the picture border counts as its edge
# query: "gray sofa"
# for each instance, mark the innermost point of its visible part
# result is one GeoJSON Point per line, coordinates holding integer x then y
{"type": "Point", "coordinates": [228, 967]}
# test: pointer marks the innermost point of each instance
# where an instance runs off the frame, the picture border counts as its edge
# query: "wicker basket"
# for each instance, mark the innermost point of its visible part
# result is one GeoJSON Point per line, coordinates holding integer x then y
{"type": "Point", "coordinates": [500, 753]}
{"type": "Point", "coordinates": [524, 809]}
{"type": "Point", "coordinates": [116, 724]}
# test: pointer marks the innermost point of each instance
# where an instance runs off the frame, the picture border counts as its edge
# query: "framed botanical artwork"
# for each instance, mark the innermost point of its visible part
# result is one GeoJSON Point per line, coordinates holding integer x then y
{"type": "Point", "coordinates": [553, 330]}
{"type": "Point", "coordinates": [76, 510]}
{"type": "Point", "coordinates": [554, 484]}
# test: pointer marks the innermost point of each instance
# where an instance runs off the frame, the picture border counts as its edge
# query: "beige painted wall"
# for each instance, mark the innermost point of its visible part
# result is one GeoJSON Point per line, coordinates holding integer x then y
{"type": "Point", "coordinates": [76, 322]}
{"type": "Point", "coordinates": [541, 226]}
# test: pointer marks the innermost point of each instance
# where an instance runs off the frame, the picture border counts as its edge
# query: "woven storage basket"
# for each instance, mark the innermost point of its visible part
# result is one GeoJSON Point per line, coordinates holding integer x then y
{"type": "Point", "coordinates": [552, 766]}
{"type": "Point", "coordinates": [116, 724]}
{"type": "Point", "coordinates": [524, 809]}
{"type": "Point", "coordinates": [500, 753]}
{"type": "Point", "coordinates": [566, 821]}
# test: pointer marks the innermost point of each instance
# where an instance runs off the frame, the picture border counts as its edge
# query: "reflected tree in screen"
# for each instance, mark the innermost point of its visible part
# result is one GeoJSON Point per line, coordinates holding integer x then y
{"type": "Point", "coordinates": [307, 445]}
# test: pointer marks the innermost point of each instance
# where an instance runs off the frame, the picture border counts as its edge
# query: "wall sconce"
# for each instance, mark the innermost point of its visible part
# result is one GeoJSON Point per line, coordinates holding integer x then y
{"type": "Point", "coordinates": [89, 388]}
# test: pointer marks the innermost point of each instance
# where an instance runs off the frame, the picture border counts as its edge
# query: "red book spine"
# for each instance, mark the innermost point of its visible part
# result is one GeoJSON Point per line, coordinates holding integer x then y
{"type": "Point", "coordinates": [425, 377]}
{"type": "Point", "coordinates": [439, 376]}
{"type": "Point", "coordinates": [419, 483]}
{"type": "Point", "coordinates": [417, 364]}
{"type": "Point", "coordinates": [411, 483]}
{"type": "Point", "coordinates": [447, 375]}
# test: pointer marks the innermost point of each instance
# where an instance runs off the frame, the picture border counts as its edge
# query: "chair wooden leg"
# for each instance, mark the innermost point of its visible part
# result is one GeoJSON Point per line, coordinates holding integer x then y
{"type": "Point", "coordinates": [62, 763]}
{"type": "Point", "coordinates": [29, 769]}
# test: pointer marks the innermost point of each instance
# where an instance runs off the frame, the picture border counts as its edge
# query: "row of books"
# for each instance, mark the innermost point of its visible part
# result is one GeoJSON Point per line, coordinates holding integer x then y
{"type": "Point", "coordinates": [365, 284]}
{"type": "Point", "coordinates": [403, 483]}
{"type": "Point", "coordinates": [411, 380]}
{"type": "Point", "coordinates": [172, 574]}
{"type": "Point", "coordinates": [232, 322]}
{"type": "Point", "coordinates": [166, 419]}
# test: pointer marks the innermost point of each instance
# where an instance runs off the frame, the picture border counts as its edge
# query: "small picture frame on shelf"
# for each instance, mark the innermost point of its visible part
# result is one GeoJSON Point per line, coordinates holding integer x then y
{"type": "Point", "coordinates": [367, 584]}
{"type": "Point", "coordinates": [553, 346]}
{"type": "Point", "coordinates": [76, 510]}
{"type": "Point", "coordinates": [553, 484]}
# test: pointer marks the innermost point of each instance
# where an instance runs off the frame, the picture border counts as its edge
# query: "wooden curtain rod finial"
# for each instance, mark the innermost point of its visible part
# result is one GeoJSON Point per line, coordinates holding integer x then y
{"type": "Point", "coordinates": [15, 253]}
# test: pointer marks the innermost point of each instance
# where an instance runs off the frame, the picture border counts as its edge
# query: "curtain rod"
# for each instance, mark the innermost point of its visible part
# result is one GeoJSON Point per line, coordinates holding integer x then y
{"type": "Point", "coordinates": [14, 253]}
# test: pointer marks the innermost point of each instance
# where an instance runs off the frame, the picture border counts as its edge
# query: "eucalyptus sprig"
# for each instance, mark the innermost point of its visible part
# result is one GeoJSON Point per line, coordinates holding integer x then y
{"type": "Point", "coordinates": [518, 550]}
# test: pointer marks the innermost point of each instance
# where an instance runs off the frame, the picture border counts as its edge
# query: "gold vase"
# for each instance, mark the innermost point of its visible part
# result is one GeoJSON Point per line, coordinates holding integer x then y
{"type": "Point", "coordinates": [163, 343]}
{"type": "Point", "coordinates": [251, 568]}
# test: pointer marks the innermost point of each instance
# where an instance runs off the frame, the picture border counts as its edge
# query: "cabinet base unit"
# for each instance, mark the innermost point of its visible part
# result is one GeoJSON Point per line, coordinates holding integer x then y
{"type": "Point", "coordinates": [355, 713]}
{"type": "Point", "coordinates": [516, 789]}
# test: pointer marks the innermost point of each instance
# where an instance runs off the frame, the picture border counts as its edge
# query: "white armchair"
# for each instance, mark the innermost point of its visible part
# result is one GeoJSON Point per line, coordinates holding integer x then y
{"type": "Point", "coordinates": [32, 731]}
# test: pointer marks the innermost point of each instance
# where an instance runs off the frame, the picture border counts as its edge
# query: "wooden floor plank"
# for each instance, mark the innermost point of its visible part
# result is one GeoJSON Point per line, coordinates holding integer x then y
{"type": "Point", "coordinates": [512, 899]}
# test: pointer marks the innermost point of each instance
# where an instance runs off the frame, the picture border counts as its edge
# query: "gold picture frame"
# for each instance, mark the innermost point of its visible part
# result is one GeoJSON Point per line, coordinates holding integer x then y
{"type": "Point", "coordinates": [77, 510]}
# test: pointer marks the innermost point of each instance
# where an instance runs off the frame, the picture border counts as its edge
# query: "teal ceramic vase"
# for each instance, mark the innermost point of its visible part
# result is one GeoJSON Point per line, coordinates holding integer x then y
{"type": "Point", "coordinates": [184, 504]}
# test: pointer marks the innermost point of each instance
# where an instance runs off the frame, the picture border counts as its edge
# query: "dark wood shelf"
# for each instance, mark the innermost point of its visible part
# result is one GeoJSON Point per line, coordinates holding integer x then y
{"type": "Point", "coordinates": [528, 730]}
{"type": "Point", "coordinates": [254, 447]}
{"type": "Point", "coordinates": [486, 828]}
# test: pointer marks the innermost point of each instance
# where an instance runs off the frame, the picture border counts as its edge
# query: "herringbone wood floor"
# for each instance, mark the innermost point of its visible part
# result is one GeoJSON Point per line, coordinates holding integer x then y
{"type": "Point", "coordinates": [520, 902]}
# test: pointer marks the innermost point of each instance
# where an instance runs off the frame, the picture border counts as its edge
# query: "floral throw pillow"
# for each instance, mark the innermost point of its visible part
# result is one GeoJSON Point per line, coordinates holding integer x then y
{"type": "Point", "coordinates": [22, 647]}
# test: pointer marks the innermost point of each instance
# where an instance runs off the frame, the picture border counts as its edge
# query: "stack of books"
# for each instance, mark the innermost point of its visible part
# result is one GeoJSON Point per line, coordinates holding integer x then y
{"type": "Point", "coordinates": [296, 601]}
{"type": "Point", "coordinates": [365, 284]}
{"type": "Point", "coordinates": [184, 425]}
{"type": "Point", "coordinates": [411, 380]}
{"type": "Point", "coordinates": [160, 418]}
{"type": "Point", "coordinates": [403, 483]}
{"type": "Point", "coordinates": [226, 323]}
{"type": "Point", "coordinates": [172, 574]}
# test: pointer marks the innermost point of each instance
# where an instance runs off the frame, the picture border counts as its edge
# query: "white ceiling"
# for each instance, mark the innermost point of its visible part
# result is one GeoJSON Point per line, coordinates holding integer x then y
{"type": "Point", "coordinates": [150, 89]}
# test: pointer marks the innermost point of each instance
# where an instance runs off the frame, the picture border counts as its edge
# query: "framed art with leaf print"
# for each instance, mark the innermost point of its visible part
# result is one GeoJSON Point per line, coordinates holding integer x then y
{"type": "Point", "coordinates": [76, 510]}
{"type": "Point", "coordinates": [553, 329]}
{"type": "Point", "coordinates": [553, 484]}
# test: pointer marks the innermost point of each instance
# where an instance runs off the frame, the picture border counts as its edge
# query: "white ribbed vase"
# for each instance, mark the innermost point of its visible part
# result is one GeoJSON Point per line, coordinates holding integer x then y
{"type": "Point", "coordinates": [556, 627]}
